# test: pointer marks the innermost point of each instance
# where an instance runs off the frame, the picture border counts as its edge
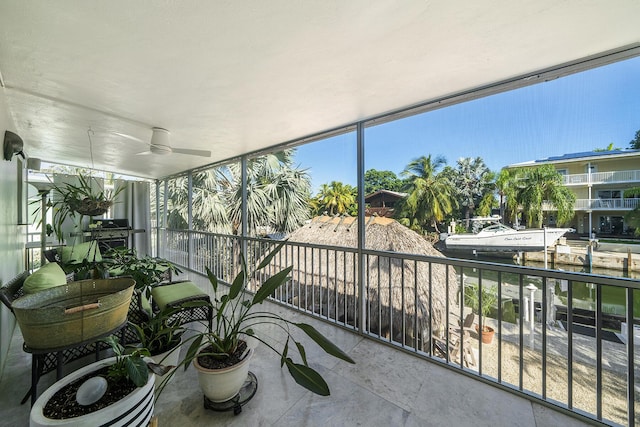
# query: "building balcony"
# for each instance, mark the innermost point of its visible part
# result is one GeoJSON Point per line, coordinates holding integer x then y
{"type": "Point", "coordinates": [613, 177]}
{"type": "Point", "coordinates": [622, 205]}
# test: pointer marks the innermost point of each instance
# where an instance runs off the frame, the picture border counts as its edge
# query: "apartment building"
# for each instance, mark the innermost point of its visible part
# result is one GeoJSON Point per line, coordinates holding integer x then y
{"type": "Point", "coordinates": [599, 180]}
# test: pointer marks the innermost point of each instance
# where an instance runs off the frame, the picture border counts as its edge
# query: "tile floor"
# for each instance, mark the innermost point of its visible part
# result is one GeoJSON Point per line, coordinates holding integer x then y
{"type": "Point", "coordinates": [386, 387]}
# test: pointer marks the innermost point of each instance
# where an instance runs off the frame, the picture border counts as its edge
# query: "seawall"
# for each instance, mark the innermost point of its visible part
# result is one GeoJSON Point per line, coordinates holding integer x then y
{"type": "Point", "coordinates": [600, 258]}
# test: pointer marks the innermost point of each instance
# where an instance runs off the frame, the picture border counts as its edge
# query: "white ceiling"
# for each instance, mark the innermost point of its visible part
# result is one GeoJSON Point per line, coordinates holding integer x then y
{"type": "Point", "coordinates": [236, 76]}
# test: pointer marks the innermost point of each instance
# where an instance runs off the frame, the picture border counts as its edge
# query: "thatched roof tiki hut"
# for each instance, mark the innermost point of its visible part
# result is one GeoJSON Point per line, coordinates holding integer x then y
{"type": "Point", "coordinates": [397, 290]}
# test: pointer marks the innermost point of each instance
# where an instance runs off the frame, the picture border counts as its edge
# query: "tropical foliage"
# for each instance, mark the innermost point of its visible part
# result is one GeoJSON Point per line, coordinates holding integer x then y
{"type": "Point", "coordinates": [145, 270]}
{"type": "Point", "coordinates": [130, 363]}
{"type": "Point", "coordinates": [335, 198]}
{"type": "Point", "coordinates": [277, 197]}
{"type": "Point", "coordinates": [534, 186]}
{"type": "Point", "coordinates": [473, 187]}
{"type": "Point", "coordinates": [237, 318]}
{"type": "Point", "coordinates": [481, 299]}
{"type": "Point", "coordinates": [610, 147]}
{"type": "Point", "coordinates": [278, 194]}
{"type": "Point", "coordinates": [161, 331]}
{"type": "Point", "coordinates": [430, 194]}
{"type": "Point", "coordinates": [375, 180]}
{"type": "Point", "coordinates": [635, 142]}
{"type": "Point", "coordinates": [508, 184]}
{"type": "Point", "coordinates": [86, 197]}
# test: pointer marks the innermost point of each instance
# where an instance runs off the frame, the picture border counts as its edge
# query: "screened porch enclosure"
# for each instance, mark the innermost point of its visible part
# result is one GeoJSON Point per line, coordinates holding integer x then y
{"type": "Point", "coordinates": [569, 340]}
{"type": "Point", "coordinates": [547, 357]}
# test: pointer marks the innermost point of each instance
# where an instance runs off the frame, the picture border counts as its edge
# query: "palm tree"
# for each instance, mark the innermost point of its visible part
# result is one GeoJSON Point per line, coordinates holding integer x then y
{"type": "Point", "coordinates": [289, 193]}
{"type": "Point", "coordinates": [430, 194]}
{"type": "Point", "coordinates": [540, 184]}
{"type": "Point", "coordinates": [277, 195]}
{"type": "Point", "coordinates": [336, 198]}
{"type": "Point", "coordinates": [508, 184]}
{"type": "Point", "coordinates": [208, 202]}
{"type": "Point", "coordinates": [177, 203]}
{"type": "Point", "coordinates": [473, 185]}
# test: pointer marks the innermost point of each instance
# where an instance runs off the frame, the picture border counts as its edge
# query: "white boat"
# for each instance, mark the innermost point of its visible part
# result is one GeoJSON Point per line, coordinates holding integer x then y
{"type": "Point", "coordinates": [491, 235]}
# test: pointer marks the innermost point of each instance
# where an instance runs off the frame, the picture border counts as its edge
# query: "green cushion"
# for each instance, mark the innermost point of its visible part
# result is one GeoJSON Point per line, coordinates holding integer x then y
{"type": "Point", "coordinates": [47, 276]}
{"type": "Point", "coordinates": [76, 254]}
{"type": "Point", "coordinates": [175, 293]}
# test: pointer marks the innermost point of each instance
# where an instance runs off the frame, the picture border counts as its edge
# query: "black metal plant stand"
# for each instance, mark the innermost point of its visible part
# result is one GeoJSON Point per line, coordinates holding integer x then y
{"type": "Point", "coordinates": [246, 393]}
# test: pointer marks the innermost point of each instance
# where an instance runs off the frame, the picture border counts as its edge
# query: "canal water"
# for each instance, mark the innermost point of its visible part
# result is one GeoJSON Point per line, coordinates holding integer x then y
{"type": "Point", "coordinates": [613, 298]}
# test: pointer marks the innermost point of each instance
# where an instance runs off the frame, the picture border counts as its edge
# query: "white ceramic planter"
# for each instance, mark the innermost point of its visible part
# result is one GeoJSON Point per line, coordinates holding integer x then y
{"type": "Point", "coordinates": [220, 385]}
{"type": "Point", "coordinates": [135, 409]}
{"type": "Point", "coordinates": [168, 358]}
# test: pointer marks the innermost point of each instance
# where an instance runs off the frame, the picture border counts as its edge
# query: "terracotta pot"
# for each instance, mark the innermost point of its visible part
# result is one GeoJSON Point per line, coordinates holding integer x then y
{"type": "Point", "coordinates": [134, 409]}
{"type": "Point", "coordinates": [486, 335]}
{"type": "Point", "coordinates": [220, 385]}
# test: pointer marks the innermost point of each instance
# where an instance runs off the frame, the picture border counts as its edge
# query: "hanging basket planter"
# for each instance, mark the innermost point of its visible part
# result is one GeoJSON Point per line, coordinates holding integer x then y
{"type": "Point", "coordinates": [87, 198]}
{"type": "Point", "coordinates": [90, 207]}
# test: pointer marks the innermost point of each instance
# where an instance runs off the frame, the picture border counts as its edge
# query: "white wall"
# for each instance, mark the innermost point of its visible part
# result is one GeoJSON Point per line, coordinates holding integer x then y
{"type": "Point", "coordinates": [12, 236]}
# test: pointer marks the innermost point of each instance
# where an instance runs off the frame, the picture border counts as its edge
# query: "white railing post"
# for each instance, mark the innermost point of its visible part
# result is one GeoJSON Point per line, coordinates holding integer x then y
{"type": "Point", "coordinates": [532, 312]}
{"type": "Point", "coordinates": [551, 307]}
{"type": "Point", "coordinates": [545, 246]}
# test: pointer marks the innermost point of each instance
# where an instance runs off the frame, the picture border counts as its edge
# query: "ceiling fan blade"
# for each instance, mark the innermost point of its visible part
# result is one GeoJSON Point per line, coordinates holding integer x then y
{"type": "Point", "coordinates": [132, 138]}
{"type": "Point", "coordinates": [144, 153]}
{"type": "Point", "coordinates": [202, 153]}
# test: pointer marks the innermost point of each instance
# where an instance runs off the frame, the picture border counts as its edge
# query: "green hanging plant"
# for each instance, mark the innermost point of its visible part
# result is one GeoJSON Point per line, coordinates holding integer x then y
{"type": "Point", "coordinates": [83, 199]}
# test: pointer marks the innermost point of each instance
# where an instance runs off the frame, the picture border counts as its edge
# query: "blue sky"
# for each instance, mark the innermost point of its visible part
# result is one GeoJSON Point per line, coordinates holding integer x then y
{"type": "Point", "coordinates": [576, 113]}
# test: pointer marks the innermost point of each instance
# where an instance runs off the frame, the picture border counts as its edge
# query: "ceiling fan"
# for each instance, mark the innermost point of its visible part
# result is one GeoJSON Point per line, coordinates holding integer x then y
{"type": "Point", "coordinates": [160, 144]}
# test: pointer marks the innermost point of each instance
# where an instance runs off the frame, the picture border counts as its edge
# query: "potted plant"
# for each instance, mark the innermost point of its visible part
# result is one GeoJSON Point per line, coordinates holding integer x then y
{"type": "Point", "coordinates": [222, 355]}
{"type": "Point", "coordinates": [87, 198]}
{"type": "Point", "coordinates": [146, 271]}
{"type": "Point", "coordinates": [482, 300]}
{"type": "Point", "coordinates": [117, 390]}
{"type": "Point", "coordinates": [161, 334]}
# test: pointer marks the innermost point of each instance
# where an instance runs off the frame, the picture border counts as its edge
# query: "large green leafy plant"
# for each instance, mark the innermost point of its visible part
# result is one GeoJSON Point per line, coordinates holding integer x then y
{"type": "Point", "coordinates": [161, 331]}
{"type": "Point", "coordinates": [130, 363]}
{"type": "Point", "coordinates": [146, 271]}
{"type": "Point", "coordinates": [236, 317]}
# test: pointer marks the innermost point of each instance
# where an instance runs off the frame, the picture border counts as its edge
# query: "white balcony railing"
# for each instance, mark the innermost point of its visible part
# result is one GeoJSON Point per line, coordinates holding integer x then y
{"type": "Point", "coordinates": [611, 177]}
{"type": "Point", "coordinates": [599, 204]}
{"type": "Point", "coordinates": [564, 320]}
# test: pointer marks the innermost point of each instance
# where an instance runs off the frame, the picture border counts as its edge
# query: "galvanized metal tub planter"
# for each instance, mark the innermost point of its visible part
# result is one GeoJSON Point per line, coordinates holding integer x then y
{"type": "Point", "coordinates": [74, 313]}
